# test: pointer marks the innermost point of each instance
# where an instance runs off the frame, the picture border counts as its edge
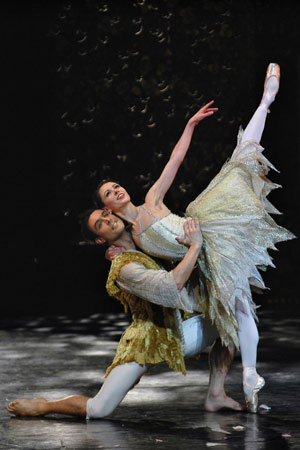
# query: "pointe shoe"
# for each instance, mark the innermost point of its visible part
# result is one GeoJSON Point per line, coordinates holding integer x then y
{"type": "Point", "coordinates": [252, 398]}
{"type": "Point", "coordinates": [273, 70]}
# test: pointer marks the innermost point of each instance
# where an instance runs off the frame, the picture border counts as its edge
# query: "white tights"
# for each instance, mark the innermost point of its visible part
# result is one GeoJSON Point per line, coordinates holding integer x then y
{"type": "Point", "coordinates": [198, 334]}
{"type": "Point", "coordinates": [255, 127]}
{"type": "Point", "coordinates": [248, 334]}
{"type": "Point", "coordinates": [248, 337]}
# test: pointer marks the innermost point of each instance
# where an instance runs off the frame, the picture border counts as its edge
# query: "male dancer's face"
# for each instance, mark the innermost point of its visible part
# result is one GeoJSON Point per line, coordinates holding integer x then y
{"type": "Point", "coordinates": [106, 225]}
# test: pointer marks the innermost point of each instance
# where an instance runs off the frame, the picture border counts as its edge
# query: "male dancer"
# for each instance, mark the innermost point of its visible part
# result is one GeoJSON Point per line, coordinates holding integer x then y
{"type": "Point", "coordinates": [153, 337]}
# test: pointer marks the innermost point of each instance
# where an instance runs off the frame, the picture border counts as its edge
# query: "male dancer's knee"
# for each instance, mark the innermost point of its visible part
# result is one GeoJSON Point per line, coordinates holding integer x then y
{"type": "Point", "coordinates": [96, 409]}
{"type": "Point", "coordinates": [120, 380]}
{"type": "Point", "coordinates": [198, 334]}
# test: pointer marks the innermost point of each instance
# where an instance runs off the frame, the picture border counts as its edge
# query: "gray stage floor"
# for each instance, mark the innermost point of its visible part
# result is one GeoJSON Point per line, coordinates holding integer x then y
{"type": "Point", "coordinates": [55, 357]}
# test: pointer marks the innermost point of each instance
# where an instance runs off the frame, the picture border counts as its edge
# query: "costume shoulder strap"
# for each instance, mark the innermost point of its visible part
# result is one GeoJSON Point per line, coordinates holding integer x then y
{"type": "Point", "coordinates": [139, 219]}
{"type": "Point", "coordinates": [149, 212]}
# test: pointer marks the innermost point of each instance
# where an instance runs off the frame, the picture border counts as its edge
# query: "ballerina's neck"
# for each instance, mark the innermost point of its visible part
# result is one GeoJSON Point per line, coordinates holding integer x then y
{"type": "Point", "coordinates": [129, 213]}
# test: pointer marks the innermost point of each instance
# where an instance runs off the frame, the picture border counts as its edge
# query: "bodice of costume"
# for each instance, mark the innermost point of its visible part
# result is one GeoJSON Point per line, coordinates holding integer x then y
{"type": "Point", "coordinates": [153, 335]}
{"type": "Point", "coordinates": [158, 239]}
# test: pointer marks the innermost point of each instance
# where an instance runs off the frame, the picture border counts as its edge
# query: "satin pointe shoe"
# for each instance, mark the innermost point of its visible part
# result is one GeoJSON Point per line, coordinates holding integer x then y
{"type": "Point", "coordinates": [273, 70]}
{"type": "Point", "coordinates": [251, 397]}
{"type": "Point", "coordinates": [271, 89]}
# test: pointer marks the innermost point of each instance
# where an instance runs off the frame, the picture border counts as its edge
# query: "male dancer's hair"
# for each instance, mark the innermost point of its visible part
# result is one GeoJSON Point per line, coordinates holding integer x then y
{"type": "Point", "coordinates": [88, 234]}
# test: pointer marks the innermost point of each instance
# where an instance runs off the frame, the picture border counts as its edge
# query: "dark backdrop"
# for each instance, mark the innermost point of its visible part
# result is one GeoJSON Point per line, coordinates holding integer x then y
{"type": "Point", "coordinates": [104, 88]}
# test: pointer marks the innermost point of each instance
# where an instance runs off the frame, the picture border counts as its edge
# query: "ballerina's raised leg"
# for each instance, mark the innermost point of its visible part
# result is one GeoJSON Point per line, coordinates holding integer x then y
{"type": "Point", "coordinates": [248, 334]}
{"type": "Point", "coordinates": [255, 127]}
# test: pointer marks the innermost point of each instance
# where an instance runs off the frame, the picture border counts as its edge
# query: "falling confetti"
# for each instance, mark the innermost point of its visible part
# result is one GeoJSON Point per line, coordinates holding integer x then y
{"type": "Point", "coordinates": [213, 444]}
{"type": "Point", "coordinates": [266, 407]}
{"type": "Point", "coordinates": [239, 428]}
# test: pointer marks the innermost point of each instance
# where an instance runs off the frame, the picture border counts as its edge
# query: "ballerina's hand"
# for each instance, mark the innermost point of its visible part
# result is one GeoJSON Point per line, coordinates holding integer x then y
{"type": "Point", "coordinates": [192, 234]}
{"type": "Point", "coordinates": [204, 112]}
{"type": "Point", "coordinates": [113, 251]}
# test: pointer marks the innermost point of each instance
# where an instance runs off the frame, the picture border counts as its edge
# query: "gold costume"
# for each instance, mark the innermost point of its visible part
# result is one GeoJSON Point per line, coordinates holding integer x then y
{"type": "Point", "coordinates": [152, 336]}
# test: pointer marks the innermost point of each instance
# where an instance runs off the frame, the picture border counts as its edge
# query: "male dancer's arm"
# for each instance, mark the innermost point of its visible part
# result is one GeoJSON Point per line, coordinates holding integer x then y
{"type": "Point", "coordinates": [160, 286]}
{"type": "Point", "coordinates": [194, 240]}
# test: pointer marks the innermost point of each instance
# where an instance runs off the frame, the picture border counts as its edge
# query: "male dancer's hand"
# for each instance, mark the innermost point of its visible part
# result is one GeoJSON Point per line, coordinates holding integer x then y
{"type": "Point", "coordinates": [193, 240]}
{"type": "Point", "coordinates": [192, 234]}
{"type": "Point", "coordinates": [113, 251]}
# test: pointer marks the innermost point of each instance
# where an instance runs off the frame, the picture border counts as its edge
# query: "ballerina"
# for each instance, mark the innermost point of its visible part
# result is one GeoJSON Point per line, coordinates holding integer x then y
{"type": "Point", "coordinates": [237, 229]}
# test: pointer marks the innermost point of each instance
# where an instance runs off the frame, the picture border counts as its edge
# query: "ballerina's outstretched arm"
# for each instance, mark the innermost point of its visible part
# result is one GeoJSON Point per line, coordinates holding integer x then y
{"type": "Point", "coordinates": [157, 192]}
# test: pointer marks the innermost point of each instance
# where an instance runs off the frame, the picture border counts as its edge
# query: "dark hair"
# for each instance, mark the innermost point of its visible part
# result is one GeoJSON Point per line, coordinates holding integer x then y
{"type": "Point", "coordinates": [87, 233]}
{"type": "Point", "coordinates": [96, 197]}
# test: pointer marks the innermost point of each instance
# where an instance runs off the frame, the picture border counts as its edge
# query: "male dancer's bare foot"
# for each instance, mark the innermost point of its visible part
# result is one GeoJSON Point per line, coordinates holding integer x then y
{"type": "Point", "coordinates": [26, 407]}
{"type": "Point", "coordinates": [216, 402]}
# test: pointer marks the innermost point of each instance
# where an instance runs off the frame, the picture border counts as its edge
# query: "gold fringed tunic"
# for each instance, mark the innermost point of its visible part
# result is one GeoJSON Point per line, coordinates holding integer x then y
{"type": "Point", "coordinates": [238, 230]}
{"type": "Point", "coordinates": [153, 335]}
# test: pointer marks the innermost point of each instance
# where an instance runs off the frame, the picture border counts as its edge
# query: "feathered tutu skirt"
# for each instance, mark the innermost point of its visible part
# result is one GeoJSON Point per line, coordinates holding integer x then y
{"type": "Point", "coordinates": [238, 230]}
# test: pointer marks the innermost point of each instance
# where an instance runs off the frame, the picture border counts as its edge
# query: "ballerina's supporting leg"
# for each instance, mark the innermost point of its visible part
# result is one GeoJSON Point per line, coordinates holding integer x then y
{"type": "Point", "coordinates": [255, 127]}
{"type": "Point", "coordinates": [248, 336]}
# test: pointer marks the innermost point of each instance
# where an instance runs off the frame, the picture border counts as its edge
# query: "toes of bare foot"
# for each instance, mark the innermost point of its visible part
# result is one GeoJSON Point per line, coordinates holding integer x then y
{"type": "Point", "coordinates": [14, 403]}
{"type": "Point", "coordinates": [26, 407]}
{"type": "Point", "coordinates": [10, 409]}
{"type": "Point", "coordinates": [236, 406]}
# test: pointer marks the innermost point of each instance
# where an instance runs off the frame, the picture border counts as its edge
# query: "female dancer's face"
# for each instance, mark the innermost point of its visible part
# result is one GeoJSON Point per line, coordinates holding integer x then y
{"type": "Point", "coordinates": [113, 195]}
